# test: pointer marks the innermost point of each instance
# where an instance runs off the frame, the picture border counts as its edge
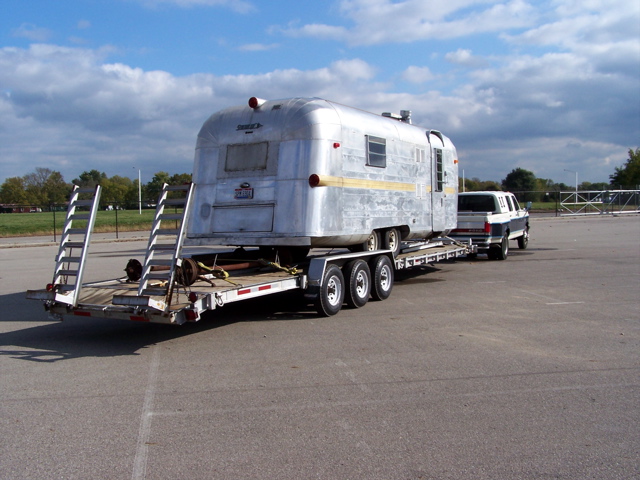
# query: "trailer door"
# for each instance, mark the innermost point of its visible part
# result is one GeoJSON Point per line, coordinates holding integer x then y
{"type": "Point", "coordinates": [437, 190]}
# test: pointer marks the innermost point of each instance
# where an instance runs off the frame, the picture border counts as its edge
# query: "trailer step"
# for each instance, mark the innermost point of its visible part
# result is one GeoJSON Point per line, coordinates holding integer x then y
{"type": "Point", "coordinates": [66, 279]}
{"type": "Point", "coordinates": [167, 253]}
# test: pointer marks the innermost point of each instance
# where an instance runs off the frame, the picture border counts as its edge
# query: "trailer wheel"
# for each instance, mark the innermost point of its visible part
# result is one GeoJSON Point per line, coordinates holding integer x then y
{"type": "Point", "coordinates": [371, 244]}
{"type": "Point", "coordinates": [382, 273]}
{"type": "Point", "coordinates": [331, 295]}
{"type": "Point", "coordinates": [358, 282]}
{"type": "Point", "coordinates": [392, 241]}
{"type": "Point", "coordinates": [523, 241]}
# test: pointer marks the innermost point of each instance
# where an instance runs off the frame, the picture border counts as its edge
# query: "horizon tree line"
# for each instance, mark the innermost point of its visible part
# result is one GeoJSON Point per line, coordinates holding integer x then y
{"type": "Point", "coordinates": [45, 187]}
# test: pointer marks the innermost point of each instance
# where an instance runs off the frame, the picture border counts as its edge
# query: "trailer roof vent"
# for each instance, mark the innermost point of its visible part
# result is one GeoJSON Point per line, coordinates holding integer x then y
{"type": "Point", "coordinates": [405, 116]}
{"type": "Point", "coordinates": [395, 116]}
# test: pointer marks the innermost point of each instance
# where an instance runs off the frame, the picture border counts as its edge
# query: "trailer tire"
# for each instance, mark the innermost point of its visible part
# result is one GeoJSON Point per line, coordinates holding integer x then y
{"type": "Point", "coordinates": [523, 241]}
{"type": "Point", "coordinates": [331, 294]}
{"type": "Point", "coordinates": [382, 277]}
{"type": "Point", "coordinates": [370, 245]}
{"type": "Point", "coordinates": [392, 240]}
{"type": "Point", "coordinates": [357, 278]}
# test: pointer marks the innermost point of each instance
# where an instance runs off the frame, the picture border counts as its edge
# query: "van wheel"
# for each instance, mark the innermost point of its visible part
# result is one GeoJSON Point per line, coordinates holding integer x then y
{"type": "Point", "coordinates": [392, 241]}
{"type": "Point", "coordinates": [331, 295]}
{"type": "Point", "coordinates": [358, 282]}
{"type": "Point", "coordinates": [523, 241]}
{"type": "Point", "coordinates": [500, 252]}
{"type": "Point", "coordinates": [382, 276]}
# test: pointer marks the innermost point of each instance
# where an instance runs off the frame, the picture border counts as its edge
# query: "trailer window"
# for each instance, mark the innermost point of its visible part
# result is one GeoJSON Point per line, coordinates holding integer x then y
{"type": "Point", "coordinates": [376, 151]}
{"type": "Point", "coordinates": [439, 170]}
{"type": "Point", "coordinates": [250, 156]}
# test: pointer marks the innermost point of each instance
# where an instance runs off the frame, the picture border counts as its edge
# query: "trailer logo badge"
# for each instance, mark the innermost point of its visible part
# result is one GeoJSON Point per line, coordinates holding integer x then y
{"type": "Point", "coordinates": [248, 126]}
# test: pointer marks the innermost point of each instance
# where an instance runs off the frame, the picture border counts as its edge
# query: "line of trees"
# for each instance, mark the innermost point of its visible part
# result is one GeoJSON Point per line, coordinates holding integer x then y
{"type": "Point", "coordinates": [626, 177]}
{"type": "Point", "coordinates": [45, 187]}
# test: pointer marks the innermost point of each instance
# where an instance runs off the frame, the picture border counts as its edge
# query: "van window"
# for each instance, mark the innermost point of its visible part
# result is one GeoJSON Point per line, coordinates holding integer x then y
{"type": "Point", "coordinates": [376, 151]}
{"type": "Point", "coordinates": [510, 204]}
{"type": "Point", "coordinates": [439, 170]}
{"type": "Point", "coordinates": [246, 156]}
{"type": "Point", "coordinates": [476, 203]}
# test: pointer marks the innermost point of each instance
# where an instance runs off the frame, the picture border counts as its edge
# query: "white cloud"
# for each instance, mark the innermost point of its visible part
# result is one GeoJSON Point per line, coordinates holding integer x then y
{"type": "Point", "coordinates": [417, 75]}
{"type": "Point", "coordinates": [32, 32]}
{"type": "Point", "coordinates": [239, 6]}
{"type": "Point", "coordinates": [258, 47]}
{"type": "Point", "coordinates": [387, 21]}
{"type": "Point", "coordinates": [66, 109]}
{"type": "Point", "coordinates": [464, 57]}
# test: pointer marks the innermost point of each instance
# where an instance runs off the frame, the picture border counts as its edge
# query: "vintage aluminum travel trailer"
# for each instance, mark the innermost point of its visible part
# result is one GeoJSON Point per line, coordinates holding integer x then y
{"type": "Point", "coordinates": [313, 173]}
{"type": "Point", "coordinates": [285, 176]}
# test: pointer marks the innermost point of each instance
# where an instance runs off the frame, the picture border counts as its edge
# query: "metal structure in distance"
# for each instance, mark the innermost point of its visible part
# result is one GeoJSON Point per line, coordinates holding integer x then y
{"type": "Point", "coordinates": [596, 202]}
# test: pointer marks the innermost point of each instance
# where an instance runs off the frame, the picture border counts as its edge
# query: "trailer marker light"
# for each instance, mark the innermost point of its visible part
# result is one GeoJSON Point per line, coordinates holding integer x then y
{"type": "Point", "coordinates": [336, 145]}
{"type": "Point", "coordinates": [193, 297]}
{"type": "Point", "coordinates": [50, 287]}
{"type": "Point", "coordinates": [314, 180]}
{"type": "Point", "coordinates": [255, 102]}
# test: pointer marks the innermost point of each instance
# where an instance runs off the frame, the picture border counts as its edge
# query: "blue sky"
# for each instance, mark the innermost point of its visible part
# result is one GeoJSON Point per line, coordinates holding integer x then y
{"type": "Point", "coordinates": [118, 85]}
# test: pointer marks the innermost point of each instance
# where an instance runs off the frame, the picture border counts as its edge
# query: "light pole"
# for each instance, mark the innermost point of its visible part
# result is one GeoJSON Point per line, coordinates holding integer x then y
{"type": "Point", "coordinates": [573, 171]}
{"type": "Point", "coordinates": [139, 192]}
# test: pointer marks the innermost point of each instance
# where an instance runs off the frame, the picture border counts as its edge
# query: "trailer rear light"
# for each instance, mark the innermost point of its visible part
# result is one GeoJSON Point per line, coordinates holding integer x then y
{"type": "Point", "coordinates": [336, 145]}
{"type": "Point", "coordinates": [487, 227]}
{"type": "Point", "coordinates": [193, 297]}
{"type": "Point", "coordinates": [50, 287]}
{"type": "Point", "coordinates": [255, 102]}
{"type": "Point", "coordinates": [314, 180]}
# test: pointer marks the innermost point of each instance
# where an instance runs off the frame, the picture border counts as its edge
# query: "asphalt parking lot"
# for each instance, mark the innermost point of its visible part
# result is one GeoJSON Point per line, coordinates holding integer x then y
{"type": "Point", "coordinates": [527, 368]}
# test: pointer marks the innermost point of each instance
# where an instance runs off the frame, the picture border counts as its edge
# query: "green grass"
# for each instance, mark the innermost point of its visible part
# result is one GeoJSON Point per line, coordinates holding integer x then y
{"type": "Point", "coordinates": [31, 224]}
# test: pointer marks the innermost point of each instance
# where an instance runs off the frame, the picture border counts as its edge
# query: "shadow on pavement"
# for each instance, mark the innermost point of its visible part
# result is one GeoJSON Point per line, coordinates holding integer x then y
{"type": "Point", "coordinates": [77, 337]}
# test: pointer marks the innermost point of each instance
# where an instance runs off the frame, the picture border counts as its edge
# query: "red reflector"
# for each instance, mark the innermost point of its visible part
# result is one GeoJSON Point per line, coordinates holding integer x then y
{"type": "Point", "coordinates": [82, 314]}
{"type": "Point", "coordinates": [138, 318]}
{"type": "Point", "coordinates": [49, 287]}
{"type": "Point", "coordinates": [244, 292]}
{"type": "Point", "coordinates": [264, 287]}
{"type": "Point", "coordinates": [191, 315]}
{"type": "Point", "coordinates": [314, 180]}
{"type": "Point", "coordinates": [336, 145]}
{"type": "Point", "coordinates": [193, 296]}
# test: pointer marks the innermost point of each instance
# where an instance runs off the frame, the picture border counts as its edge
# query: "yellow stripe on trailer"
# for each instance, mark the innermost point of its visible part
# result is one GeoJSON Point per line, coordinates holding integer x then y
{"type": "Point", "coordinates": [330, 181]}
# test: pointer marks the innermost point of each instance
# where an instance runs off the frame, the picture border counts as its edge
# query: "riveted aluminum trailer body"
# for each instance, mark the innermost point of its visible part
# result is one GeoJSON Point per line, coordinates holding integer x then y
{"type": "Point", "coordinates": [314, 173]}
